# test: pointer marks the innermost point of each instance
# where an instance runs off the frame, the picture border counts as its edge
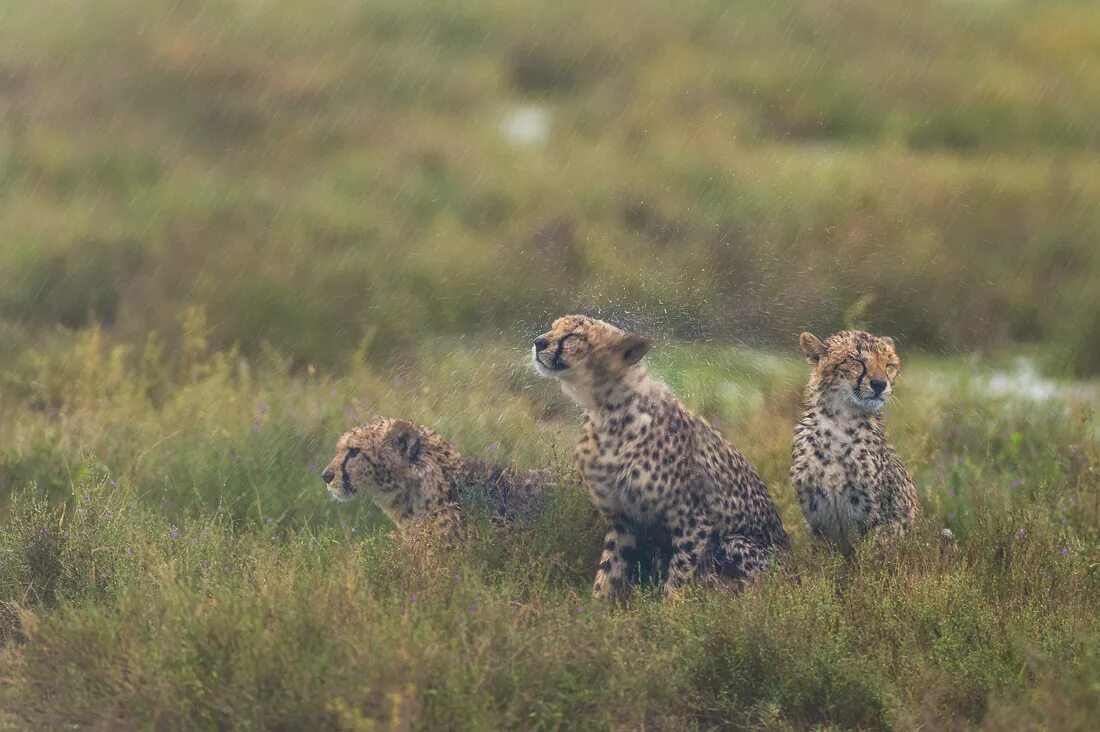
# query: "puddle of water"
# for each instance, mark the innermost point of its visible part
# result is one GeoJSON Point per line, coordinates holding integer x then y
{"type": "Point", "coordinates": [527, 126]}
{"type": "Point", "coordinates": [1022, 383]}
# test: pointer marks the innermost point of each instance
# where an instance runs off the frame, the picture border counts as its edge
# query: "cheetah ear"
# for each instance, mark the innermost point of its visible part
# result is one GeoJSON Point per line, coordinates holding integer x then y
{"type": "Point", "coordinates": [405, 437]}
{"type": "Point", "coordinates": [890, 342]}
{"type": "Point", "coordinates": [811, 346]}
{"type": "Point", "coordinates": [633, 347]}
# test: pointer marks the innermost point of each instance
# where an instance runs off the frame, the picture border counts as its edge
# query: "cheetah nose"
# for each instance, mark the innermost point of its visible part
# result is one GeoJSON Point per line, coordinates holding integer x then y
{"type": "Point", "coordinates": [541, 344]}
{"type": "Point", "coordinates": [328, 475]}
{"type": "Point", "coordinates": [878, 385]}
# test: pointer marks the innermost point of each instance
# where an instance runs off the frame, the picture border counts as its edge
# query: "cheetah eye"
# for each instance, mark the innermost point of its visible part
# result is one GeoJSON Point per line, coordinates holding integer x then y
{"type": "Point", "coordinates": [353, 452]}
{"type": "Point", "coordinates": [567, 336]}
{"type": "Point", "coordinates": [891, 368]}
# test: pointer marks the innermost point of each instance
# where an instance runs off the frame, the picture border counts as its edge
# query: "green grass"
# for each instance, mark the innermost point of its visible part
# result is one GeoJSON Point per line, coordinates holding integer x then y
{"type": "Point", "coordinates": [170, 560]}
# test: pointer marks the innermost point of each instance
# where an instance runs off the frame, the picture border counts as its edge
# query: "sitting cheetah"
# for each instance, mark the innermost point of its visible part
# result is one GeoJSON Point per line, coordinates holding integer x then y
{"type": "Point", "coordinates": [414, 476]}
{"type": "Point", "coordinates": [847, 476]}
{"type": "Point", "coordinates": [652, 468]}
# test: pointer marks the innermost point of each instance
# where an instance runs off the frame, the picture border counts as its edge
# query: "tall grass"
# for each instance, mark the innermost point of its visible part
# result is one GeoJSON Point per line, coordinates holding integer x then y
{"type": "Point", "coordinates": [170, 559]}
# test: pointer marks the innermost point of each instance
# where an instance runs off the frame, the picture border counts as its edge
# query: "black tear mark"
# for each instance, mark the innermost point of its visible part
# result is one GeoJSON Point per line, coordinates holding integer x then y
{"type": "Point", "coordinates": [344, 476]}
{"type": "Point", "coordinates": [556, 362]}
{"type": "Point", "coordinates": [862, 374]}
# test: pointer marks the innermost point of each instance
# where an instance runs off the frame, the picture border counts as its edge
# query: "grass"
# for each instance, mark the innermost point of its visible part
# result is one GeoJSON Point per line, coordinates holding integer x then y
{"type": "Point", "coordinates": [170, 559]}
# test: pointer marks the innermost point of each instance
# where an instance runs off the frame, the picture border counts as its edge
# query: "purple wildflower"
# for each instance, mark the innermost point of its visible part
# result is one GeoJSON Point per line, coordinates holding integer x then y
{"type": "Point", "coordinates": [175, 533]}
{"type": "Point", "coordinates": [412, 598]}
{"type": "Point", "coordinates": [457, 577]}
{"type": "Point", "coordinates": [953, 492]}
{"type": "Point", "coordinates": [579, 609]}
{"type": "Point", "coordinates": [1022, 534]}
{"type": "Point", "coordinates": [255, 426]}
{"type": "Point", "coordinates": [473, 608]}
{"type": "Point", "coordinates": [269, 520]}
{"type": "Point", "coordinates": [493, 446]}
{"type": "Point", "coordinates": [263, 407]}
{"type": "Point", "coordinates": [1065, 550]}
{"type": "Point", "coordinates": [1016, 483]}
{"type": "Point", "coordinates": [129, 552]}
{"type": "Point", "coordinates": [87, 498]}
{"type": "Point", "coordinates": [113, 482]}
{"type": "Point", "coordinates": [349, 411]}
{"type": "Point", "coordinates": [312, 467]}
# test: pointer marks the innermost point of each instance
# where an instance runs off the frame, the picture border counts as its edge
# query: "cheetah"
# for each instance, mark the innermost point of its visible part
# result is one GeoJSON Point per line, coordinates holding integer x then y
{"type": "Point", "coordinates": [848, 479]}
{"type": "Point", "coordinates": [655, 471]}
{"type": "Point", "coordinates": [414, 475]}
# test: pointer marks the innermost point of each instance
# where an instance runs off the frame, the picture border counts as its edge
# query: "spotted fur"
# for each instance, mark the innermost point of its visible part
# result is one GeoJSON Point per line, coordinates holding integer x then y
{"type": "Point", "coordinates": [848, 479]}
{"type": "Point", "coordinates": [652, 468]}
{"type": "Point", "coordinates": [414, 475]}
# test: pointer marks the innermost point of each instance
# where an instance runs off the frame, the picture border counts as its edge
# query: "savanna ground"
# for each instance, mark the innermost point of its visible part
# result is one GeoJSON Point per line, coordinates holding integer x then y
{"type": "Point", "coordinates": [229, 231]}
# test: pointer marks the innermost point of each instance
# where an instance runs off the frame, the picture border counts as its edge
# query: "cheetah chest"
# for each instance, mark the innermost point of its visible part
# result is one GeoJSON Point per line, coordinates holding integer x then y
{"type": "Point", "coordinates": [621, 465]}
{"type": "Point", "coordinates": [836, 472]}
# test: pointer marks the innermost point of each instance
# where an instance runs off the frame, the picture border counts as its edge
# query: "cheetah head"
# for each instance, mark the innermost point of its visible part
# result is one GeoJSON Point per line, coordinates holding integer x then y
{"type": "Point", "coordinates": [854, 366]}
{"type": "Point", "coordinates": [389, 460]}
{"type": "Point", "coordinates": [584, 353]}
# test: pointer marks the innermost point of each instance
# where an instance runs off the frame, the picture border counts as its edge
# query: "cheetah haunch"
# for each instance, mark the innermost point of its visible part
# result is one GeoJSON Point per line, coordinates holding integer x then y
{"type": "Point", "coordinates": [847, 476]}
{"type": "Point", "coordinates": [652, 468]}
{"type": "Point", "coordinates": [414, 475]}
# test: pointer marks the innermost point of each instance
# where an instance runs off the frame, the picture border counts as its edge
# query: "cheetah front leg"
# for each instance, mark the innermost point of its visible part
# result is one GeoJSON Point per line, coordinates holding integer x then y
{"type": "Point", "coordinates": [618, 548]}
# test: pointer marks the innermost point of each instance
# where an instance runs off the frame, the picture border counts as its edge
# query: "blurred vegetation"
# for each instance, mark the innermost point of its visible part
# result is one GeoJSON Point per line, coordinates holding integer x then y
{"type": "Point", "coordinates": [334, 178]}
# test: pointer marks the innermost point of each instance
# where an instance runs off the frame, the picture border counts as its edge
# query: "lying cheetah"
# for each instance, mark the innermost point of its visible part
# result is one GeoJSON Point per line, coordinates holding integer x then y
{"type": "Point", "coordinates": [414, 476]}
{"type": "Point", "coordinates": [652, 468]}
{"type": "Point", "coordinates": [847, 476]}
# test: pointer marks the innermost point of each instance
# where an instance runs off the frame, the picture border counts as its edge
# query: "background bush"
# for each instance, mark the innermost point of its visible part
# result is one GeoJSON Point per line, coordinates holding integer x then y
{"type": "Point", "coordinates": [317, 178]}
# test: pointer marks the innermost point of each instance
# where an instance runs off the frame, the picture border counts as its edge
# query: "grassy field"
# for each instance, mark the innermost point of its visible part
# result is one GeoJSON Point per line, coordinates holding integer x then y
{"type": "Point", "coordinates": [231, 229]}
{"type": "Point", "coordinates": [170, 558]}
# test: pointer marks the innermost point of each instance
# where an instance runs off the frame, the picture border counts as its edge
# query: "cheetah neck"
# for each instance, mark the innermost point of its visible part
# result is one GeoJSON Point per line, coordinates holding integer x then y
{"type": "Point", "coordinates": [617, 394]}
